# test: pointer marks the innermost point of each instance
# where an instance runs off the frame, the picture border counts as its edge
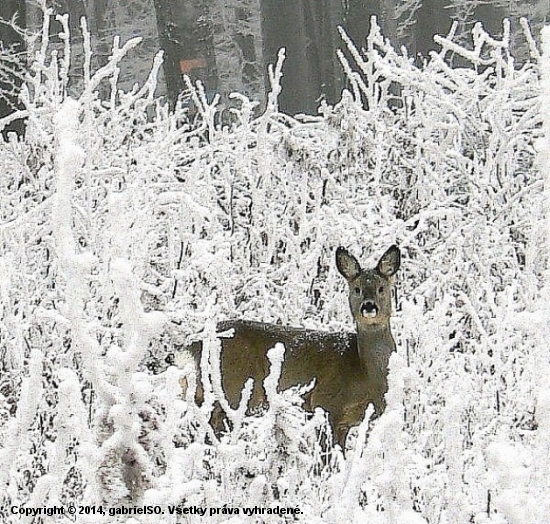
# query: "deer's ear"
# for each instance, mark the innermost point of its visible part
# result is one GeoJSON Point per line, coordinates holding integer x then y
{"type": "Point", "coordinates": [347, 264]}
{"type": "Point", "coordinates": [389, 262]}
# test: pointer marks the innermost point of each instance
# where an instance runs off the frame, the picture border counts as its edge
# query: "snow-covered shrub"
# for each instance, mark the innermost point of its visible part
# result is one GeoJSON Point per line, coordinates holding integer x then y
{"type": "Point", "coordinates": [127, 230]}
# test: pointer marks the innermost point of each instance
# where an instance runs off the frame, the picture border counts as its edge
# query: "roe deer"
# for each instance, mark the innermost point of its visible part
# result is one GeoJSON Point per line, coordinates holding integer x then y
{"type": "Point", "coordinates": [350, 369]}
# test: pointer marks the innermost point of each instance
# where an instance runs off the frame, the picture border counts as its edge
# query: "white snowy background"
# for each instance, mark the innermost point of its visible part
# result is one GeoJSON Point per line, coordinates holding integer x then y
{"type": "Point", "coordinates": [125, 229]}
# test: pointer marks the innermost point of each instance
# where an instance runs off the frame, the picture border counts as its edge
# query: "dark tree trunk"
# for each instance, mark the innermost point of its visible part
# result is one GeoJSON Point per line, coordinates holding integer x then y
{"type": "Point", "coordinates": [326, 16]}
{"type": "Point", "coordinates": [11, 81]}
{"type": "Point", "coordinates": [173, 45]}
{"type": "Point", "coordinates": [431, 19]}
{"type": "Point", "coordinates": [102, 27]}
{"type": "Point", "coordinates": [358, 15]}
{"type": "Point", "coordinates": [491, 16]}
{"type": "Point", "coordinates": [307, 30]}
{"type": "Point", "coordinates": [435, 18]}
{"type": "Point", "coordinates": [185, 35]}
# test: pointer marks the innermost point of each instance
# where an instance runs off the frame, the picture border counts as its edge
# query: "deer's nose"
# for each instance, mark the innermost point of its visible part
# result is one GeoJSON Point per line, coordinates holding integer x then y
{"type": "Point", "coordinates": [369, 309]}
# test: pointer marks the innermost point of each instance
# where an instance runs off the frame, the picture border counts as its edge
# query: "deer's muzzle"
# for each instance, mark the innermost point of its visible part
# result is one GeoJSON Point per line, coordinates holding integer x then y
{"type": "Point", "coordinates": [369, 309]}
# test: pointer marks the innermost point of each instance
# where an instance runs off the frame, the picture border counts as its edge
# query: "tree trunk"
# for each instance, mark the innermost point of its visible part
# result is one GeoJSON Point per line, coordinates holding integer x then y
{"type": "Point", "coordinates": [307, 30]}
{"type": "Point", "coordinates": [11, 77]}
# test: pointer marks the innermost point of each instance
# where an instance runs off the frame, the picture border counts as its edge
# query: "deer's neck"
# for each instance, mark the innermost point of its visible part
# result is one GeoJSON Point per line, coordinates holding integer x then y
{"type": "Point", "coordinates": [375, 345]}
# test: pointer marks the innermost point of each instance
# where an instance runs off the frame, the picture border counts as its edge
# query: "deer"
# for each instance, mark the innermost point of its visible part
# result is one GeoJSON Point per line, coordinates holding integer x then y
{"type": "Point", "coordinates": [350, 369]}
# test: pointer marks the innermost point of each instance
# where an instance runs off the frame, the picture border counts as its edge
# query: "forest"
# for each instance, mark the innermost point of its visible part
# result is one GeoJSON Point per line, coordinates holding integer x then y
{"type": "Point", "coordinates": [228, 45]}
{"type": "Point", "coordinates": [133, 221]}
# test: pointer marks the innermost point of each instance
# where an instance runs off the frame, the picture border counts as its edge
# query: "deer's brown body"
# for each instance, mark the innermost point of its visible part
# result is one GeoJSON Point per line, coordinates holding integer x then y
{"type": "Point", "coordinates": [350, 369]}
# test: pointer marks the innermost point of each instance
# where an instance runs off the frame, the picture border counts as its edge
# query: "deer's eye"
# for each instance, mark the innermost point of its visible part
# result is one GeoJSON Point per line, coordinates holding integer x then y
{"type": "Point", "coordinates": [381, 289]}
{"type": "Point", "coordinates": [357, 290]}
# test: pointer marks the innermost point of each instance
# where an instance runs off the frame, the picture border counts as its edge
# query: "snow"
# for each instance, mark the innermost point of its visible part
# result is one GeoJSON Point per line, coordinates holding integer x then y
{"type": "Point", "coordinates": [127, 231]}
